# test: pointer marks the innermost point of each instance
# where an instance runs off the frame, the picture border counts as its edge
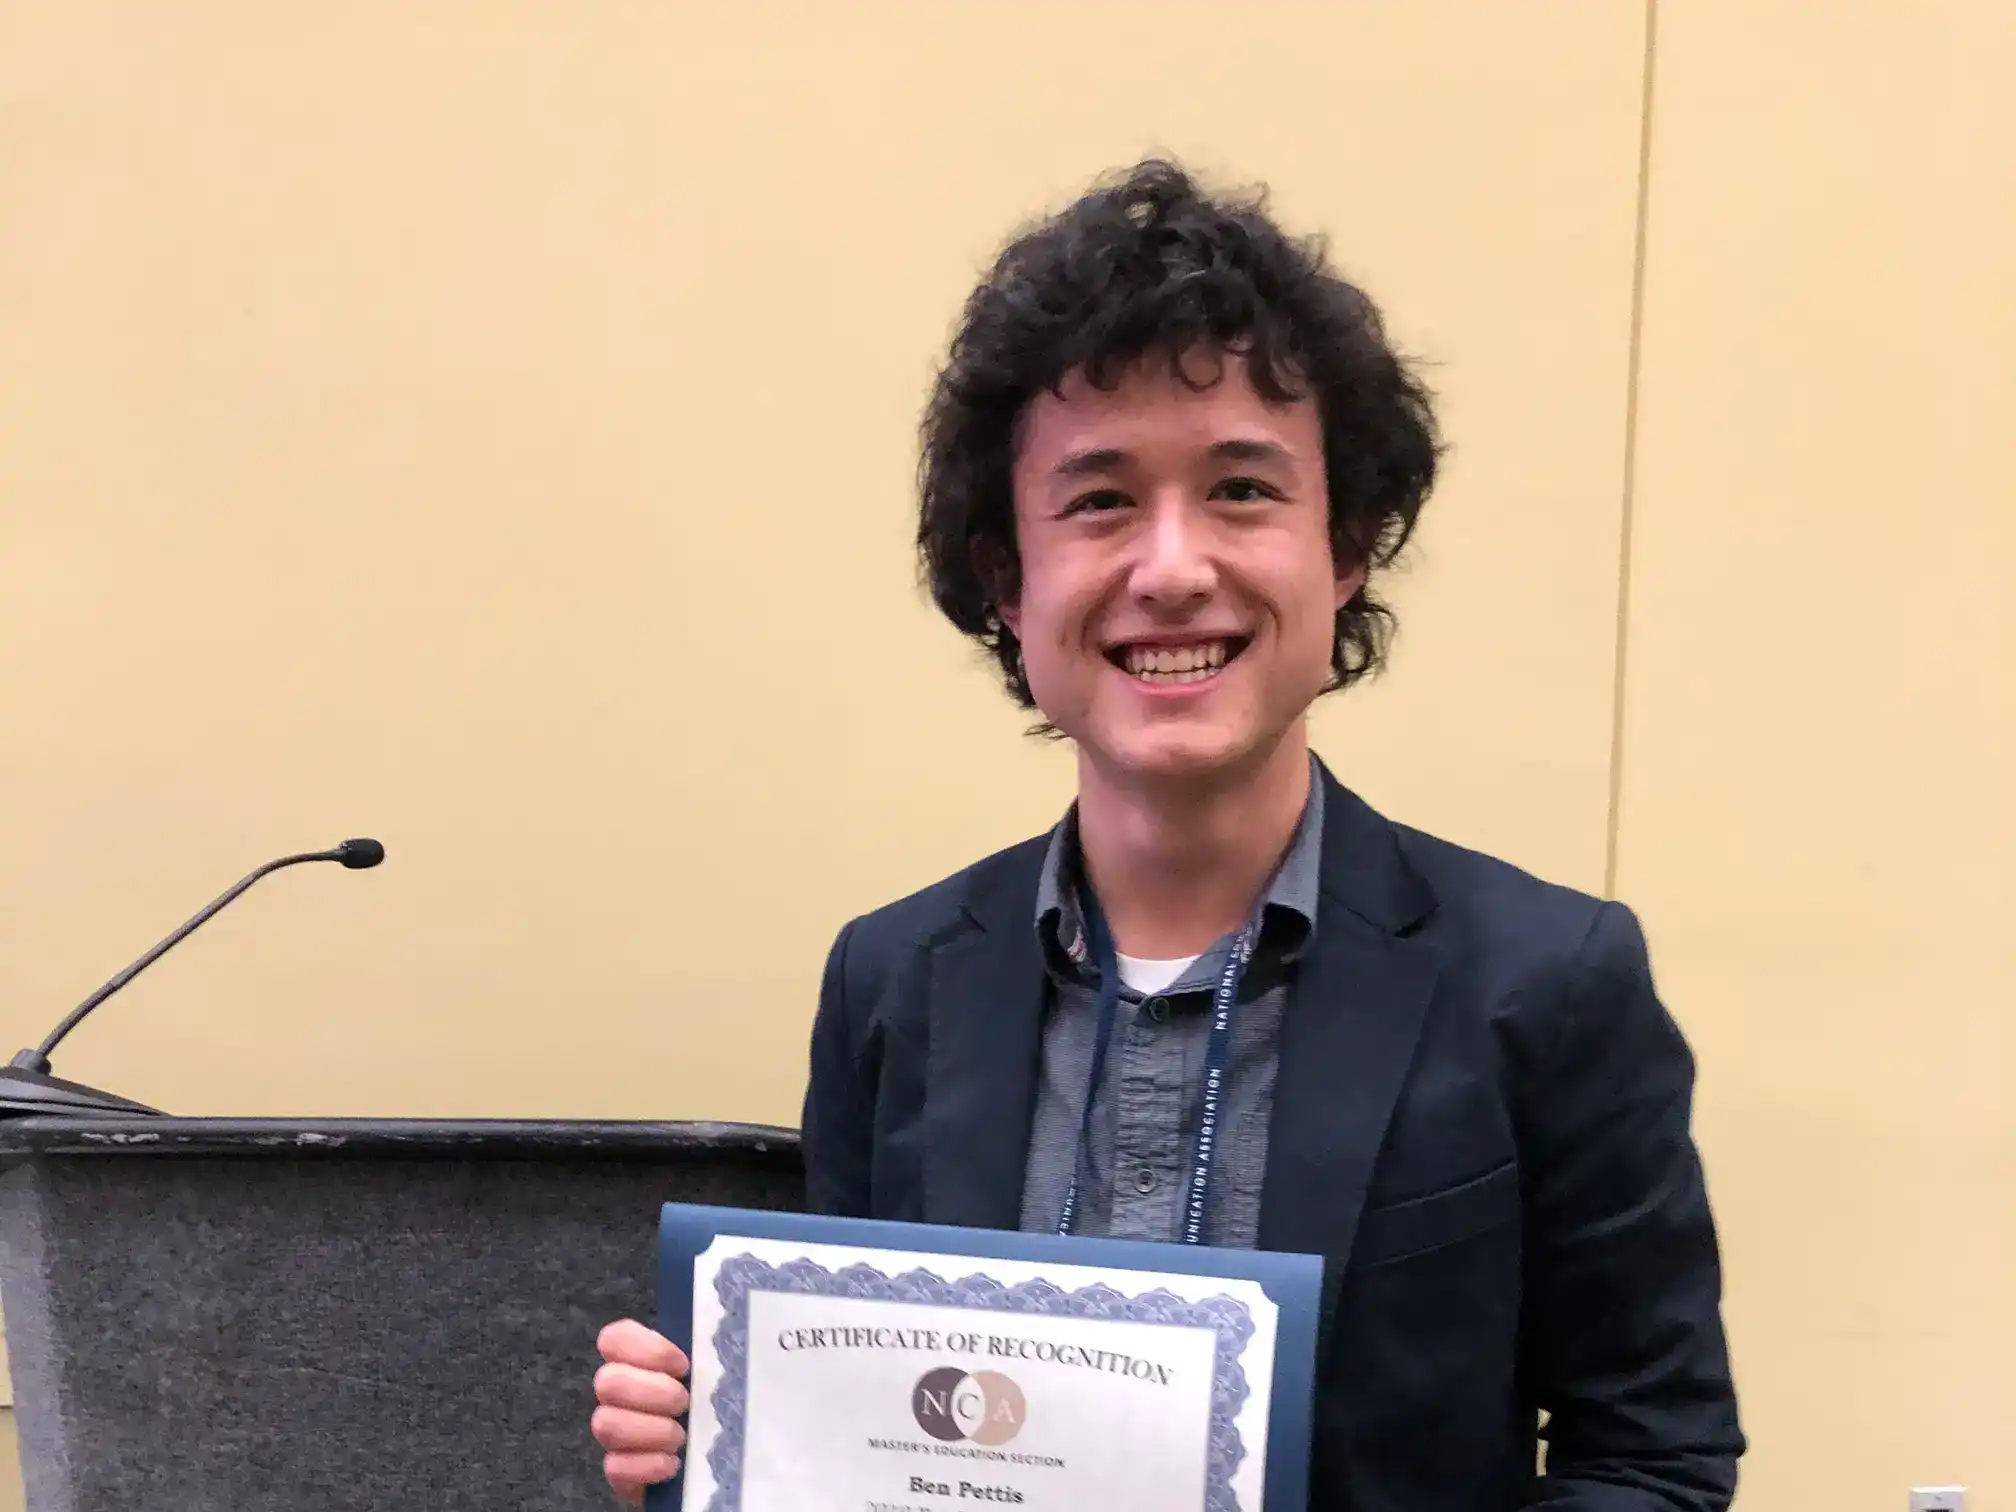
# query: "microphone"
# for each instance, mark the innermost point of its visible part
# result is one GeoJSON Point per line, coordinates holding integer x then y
{"type": "Point", "coordinates": [27, 1088]}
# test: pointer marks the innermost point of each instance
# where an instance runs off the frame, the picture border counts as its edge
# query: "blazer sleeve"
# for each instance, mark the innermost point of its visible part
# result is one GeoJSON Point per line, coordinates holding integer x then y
{"type": "Point", "coordinates": [837, 1125]}
{"type": "Point", "coordinates": [1623, 1343]}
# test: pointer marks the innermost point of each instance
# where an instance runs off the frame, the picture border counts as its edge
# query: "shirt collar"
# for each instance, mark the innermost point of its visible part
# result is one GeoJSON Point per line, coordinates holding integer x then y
{"type": "Point", "coordinates": [1288, 908]}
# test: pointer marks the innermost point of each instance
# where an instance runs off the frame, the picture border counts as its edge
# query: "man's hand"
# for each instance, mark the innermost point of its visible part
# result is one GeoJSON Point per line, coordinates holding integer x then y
{"type": "Point", "coordinates": [638, 1402]}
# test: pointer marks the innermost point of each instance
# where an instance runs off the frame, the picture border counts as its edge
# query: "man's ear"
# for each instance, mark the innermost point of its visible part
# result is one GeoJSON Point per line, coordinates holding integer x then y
{"type": "Point", "coordinates": [1352, 560]}
{"type": "Point", "coordinates": [999, 582]}
{"type": "Point", "coordinates": [1349, 581]}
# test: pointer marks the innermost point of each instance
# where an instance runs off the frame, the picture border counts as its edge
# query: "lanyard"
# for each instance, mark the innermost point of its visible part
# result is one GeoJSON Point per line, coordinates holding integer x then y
{"type": "Point", "coordinates": [1217, 1051]}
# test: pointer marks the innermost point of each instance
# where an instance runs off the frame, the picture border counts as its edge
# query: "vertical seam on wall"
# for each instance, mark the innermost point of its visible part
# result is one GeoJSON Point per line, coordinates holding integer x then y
{"type": "Point", "coordinates": [1629, 489]}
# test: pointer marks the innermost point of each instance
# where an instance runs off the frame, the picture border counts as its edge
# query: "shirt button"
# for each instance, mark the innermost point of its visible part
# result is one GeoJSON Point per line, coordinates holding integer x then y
{"type": "Point", "coordinates": [1144, 1181]}
{"type": "Point", "coordinates": [1157, 1010]}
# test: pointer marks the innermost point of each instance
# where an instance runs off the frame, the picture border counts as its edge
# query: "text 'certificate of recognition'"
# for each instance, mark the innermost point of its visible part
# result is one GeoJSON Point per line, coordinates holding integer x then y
{"type": "Point", "coordinates": [861, 1379]}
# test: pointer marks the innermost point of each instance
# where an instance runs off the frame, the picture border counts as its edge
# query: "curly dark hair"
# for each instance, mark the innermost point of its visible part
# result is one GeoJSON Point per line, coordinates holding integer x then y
{"type": "Point", "coordinates": [1149, 265]}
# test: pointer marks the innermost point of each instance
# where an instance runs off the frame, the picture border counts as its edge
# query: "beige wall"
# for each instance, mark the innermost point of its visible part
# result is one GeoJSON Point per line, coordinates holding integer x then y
{"type": "Point", "coordinates": [1820, 713]}
{"type": "Point", "coordinates": [489, 427]}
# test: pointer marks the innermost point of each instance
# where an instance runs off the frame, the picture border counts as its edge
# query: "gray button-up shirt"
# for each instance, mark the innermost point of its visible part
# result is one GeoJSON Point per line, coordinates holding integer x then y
{"type": "Point", "coordinates": [1150, 1098]}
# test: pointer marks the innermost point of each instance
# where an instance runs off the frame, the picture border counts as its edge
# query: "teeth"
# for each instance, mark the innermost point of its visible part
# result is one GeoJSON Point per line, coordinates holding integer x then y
{"type": "Point", "coordinates": [1179, 664]}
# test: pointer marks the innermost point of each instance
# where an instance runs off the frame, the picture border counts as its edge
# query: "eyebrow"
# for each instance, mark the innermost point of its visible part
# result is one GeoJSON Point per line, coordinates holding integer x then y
{"type": "Point", "coordinates": [1102, 461]}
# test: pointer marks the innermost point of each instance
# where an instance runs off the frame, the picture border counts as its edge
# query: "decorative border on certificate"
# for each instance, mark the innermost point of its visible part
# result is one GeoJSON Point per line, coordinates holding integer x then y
{"type": "Point", "coordinates": [741, 1275]}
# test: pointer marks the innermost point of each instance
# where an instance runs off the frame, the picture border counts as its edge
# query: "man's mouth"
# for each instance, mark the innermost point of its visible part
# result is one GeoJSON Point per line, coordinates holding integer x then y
{"type": "Point", "coordinates": [1189, 663]}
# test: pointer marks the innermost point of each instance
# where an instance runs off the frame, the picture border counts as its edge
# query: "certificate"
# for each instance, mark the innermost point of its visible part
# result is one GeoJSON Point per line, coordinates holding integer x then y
{"type": "Point", "coordinates": [864, 1366]}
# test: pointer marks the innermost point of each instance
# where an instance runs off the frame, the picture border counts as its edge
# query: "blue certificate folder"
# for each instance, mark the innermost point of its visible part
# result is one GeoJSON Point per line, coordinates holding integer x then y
{"type": "Point", "coordinates": [1292, 1282]}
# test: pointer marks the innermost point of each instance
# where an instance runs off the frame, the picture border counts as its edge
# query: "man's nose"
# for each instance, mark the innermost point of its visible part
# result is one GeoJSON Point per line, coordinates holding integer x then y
{"type": "Point", "coordinates": [1175, 565]}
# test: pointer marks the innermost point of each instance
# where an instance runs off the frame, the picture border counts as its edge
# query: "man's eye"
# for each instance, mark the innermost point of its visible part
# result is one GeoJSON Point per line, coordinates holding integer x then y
{"type": "Point", "coordinates": [1245, 490]}
{"type": "Point", "coordinates": [1099, 501]}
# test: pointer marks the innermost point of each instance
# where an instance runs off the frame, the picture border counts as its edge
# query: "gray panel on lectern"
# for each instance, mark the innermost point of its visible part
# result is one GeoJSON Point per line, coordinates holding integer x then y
{"type": "Point", "coordinates": [233, 1317]}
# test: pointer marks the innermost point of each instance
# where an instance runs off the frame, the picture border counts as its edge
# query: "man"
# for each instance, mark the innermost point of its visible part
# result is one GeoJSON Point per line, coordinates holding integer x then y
{"type": "Point", "coordinates": [1167, 455]}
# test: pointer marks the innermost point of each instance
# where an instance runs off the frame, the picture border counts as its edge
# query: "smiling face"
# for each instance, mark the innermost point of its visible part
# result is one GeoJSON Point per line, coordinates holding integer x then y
{"type": "Point", "coordinates": [1178, 594]}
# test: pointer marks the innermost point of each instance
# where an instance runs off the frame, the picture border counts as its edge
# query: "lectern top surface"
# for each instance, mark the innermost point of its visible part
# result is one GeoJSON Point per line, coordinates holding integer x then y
{"type": "Point", "coordinates": [398, 1138]}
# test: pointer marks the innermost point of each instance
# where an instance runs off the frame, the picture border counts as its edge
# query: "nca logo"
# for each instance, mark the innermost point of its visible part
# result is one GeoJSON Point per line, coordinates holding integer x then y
{"type": "Point", "coordinates": [984, 1407]}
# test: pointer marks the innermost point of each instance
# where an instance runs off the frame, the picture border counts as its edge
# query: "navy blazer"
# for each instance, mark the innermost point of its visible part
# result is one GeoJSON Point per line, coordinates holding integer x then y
{"type": "Point", "coordinates": [1481, 1121]}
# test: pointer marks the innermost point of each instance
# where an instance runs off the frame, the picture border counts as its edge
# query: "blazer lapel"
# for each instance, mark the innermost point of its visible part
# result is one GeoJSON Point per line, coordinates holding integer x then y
{"type": "Point", "coordinates": [1354, 1015]}
{"type": "Point", "coordinates": [986, 1013]}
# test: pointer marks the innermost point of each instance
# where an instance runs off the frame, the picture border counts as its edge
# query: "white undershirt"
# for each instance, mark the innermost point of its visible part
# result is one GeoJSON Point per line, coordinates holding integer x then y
{"type": "Point", "coordinates": [1150, 977]}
